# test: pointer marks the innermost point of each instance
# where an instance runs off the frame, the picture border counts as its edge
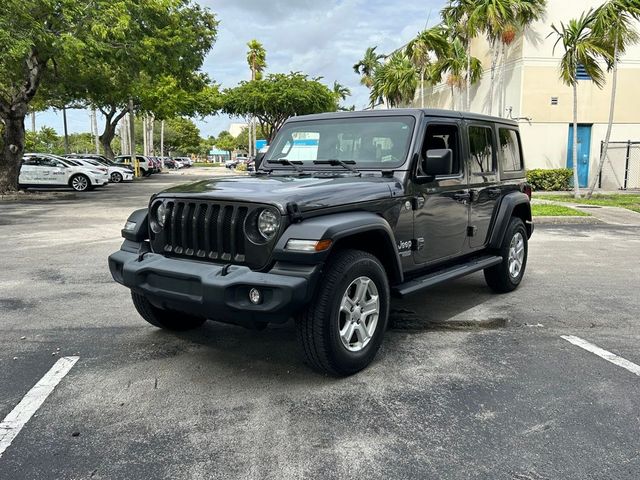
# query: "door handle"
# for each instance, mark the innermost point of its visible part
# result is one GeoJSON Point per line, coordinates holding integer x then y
{"type": "Point", "coordinates": [462, 196]}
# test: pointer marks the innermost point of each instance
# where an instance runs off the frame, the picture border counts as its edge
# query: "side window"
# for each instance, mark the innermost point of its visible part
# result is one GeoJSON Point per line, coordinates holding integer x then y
{"type": "Point", "coordinates": [509, 150]}
{"type": "Point", "coordinates": [442, 137]}
{"type": "Point", "coordinates": [481, 149]}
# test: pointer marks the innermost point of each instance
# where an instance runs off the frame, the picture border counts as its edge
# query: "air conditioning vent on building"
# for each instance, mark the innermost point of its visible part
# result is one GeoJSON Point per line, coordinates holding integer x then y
{"type": "Point", "coordinates": [554, 100]}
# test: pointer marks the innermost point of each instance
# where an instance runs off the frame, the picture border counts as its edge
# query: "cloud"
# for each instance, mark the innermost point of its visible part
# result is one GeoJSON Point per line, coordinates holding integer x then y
{"type": "Point", "coordinates": [319, 38]}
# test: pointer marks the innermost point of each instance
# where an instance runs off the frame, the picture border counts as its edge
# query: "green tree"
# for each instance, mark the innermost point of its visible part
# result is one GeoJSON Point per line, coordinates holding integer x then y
{"type": "Point", "coordinates": [430, 43]}
{"type": "Point", "coordinates": [226, 142]}
{"type": "Point", "coordinates": [367, 66]}
{"type": "Point", "coordinates": [277, 97]}
{"type": "Point", "coordinates": [242, 140]}
{"type": "Point", "coordinates": [32, 34]}
{"type": "Point", "coordinates": [581, 48]}
{"type": "Point", "coordinates": [614, 24]}
{"type": "Point", "coordinates": [453, 64]}
{"type": "Point", "coordinates": [45, 140]}
{"type": "Point", "coordinates": [151, 59]}
{"type": "Point", "coordinates": [395, 81]}
{"type": "Point", "coordinates": [257, 59]}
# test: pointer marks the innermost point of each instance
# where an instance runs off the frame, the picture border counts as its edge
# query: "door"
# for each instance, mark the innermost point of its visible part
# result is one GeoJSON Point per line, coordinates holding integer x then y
{"type": "Point", "coordinates": [584, 147]}
{"type": "Point", "coordinates": [483, 181]}
{"type": "Point", "coordinates": [441, 212]}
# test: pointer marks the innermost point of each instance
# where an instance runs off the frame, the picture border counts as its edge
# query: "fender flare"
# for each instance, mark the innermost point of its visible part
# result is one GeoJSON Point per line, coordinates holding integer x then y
{"type": "Point", "coordinates": [339, 227]}
{"type": "Point", "coordinates": [505, 211]}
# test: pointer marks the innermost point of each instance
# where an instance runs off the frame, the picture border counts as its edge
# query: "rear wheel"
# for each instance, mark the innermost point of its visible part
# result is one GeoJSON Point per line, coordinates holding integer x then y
{"type": "Point", "coordinates": [167, 319]}
{"type": "Point", "coordinates": [507, 275]}
{"type": "Point", "coordinates": [342, 330]}
{"type": "Point", "coordinates": [80, 183]}
{"type": "Point", "coordinates": [116, 177]}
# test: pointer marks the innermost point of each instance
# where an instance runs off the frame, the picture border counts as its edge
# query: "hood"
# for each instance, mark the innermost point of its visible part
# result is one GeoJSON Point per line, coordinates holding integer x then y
{"type": "Point", "coordinates": [308, 192]}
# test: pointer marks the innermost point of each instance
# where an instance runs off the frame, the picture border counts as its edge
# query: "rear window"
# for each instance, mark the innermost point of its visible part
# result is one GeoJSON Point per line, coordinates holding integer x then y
{"type": "Point", "coordinates": [509, 151]}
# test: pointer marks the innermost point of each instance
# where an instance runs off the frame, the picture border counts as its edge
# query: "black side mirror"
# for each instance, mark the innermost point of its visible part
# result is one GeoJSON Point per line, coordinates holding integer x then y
{"type": "Point", "coordinates": [438, 162]}
{"type": "Point", "coordinates": [258, 160]}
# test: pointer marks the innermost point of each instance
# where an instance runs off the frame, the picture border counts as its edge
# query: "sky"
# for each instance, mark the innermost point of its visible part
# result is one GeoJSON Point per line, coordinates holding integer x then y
{"type": "Point", "coordinates": [322, 38]}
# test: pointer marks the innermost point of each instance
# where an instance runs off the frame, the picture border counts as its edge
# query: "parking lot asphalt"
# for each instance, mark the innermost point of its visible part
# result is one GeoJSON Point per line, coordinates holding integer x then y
{"type": "Point", "coordinates": [511, 401]}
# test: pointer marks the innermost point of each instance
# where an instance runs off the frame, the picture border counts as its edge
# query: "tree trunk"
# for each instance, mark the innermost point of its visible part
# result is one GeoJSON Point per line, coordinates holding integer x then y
{"type": "Point", "coordinates": [162, 139]}
{"type": "Point", "coordinates": [576, 182]}
{"type": "Point", "coordinates": [494, 63]}
{"type": "Point", "coordinates": [468, 105]}
{"type": "Point", "coordinates": [107, 137]}
{"type": "Point", "coordinates": [13, 148]}
{"type": "Point", "coordinates": [607, 138]}
{"type": "Point", "coordinates": [66, 130]}
{"type": "Point", "coordinates": [422, 88]}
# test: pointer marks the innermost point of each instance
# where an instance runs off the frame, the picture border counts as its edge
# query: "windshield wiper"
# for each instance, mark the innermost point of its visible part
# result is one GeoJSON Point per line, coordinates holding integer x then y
{"type": "Point", "coordinates": [335, 162]}
{"type": "Point", "coordinates": [292, 163]}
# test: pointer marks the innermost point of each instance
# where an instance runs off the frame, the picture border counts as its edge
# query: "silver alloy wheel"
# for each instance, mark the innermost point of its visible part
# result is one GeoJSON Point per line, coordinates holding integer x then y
{"type": "Point", "coordinates": [80, 183]}
{"type": "Point", "coordinates": [516, 255]}
{"type": "Point", "coordinates": [116, 177]}
{"type": "Point", "coordinates": [358, 315]}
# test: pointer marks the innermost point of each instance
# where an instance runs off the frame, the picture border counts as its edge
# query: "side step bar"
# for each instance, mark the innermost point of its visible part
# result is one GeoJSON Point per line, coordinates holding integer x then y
{"type": "Point", "coordinates": [449, 273]}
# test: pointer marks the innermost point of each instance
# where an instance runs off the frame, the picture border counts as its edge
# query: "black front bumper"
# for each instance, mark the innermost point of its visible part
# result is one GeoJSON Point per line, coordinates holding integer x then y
{"type": "Point", "coordinates": [207, 290]}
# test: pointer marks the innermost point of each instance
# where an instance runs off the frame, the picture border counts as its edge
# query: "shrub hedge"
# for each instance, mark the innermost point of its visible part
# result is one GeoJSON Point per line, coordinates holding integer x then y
{"type": "Point", "coordinates": [550, 179]}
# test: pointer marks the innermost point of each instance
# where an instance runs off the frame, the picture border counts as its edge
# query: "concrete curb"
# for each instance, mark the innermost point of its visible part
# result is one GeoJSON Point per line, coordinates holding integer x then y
{"type": "Point", "coordinates": [37, 197]}
{"type": "Point", "coordinates": [553, 220]}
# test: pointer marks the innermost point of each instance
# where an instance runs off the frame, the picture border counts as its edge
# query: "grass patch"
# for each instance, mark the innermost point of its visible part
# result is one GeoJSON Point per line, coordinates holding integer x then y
{"type": "Point", "coordinates": [207, 164]}
{"type": "Point", "coordinates": [628, 201]}
{"type": "Point", "coordinates": [546, 210]}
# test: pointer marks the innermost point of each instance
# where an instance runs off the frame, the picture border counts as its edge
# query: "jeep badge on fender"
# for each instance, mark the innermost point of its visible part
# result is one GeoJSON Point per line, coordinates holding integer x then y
{"type": "Point", "coordinates": [345, 211]}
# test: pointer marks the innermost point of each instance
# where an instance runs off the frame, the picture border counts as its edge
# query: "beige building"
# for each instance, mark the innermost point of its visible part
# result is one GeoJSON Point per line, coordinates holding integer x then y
{"type": "Point", "coordinates": [527, 88]}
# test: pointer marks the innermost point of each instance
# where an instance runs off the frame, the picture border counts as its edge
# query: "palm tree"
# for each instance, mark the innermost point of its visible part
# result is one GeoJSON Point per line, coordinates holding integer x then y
{"type": "Point", "coordinates": [340, 91]}
{"type": "Point", "coordinates": [582, 48]}
{"type": "Point", "coordinates": [395, 81]}
{"type": "Point", "coordinates": [256, 58]}
{"type": "Point", "coordinates": [430, 41]}
{"type": "Point", "coordinates": [454, 64]}
{"type": "Point", "coordinates": [614, 24]}
{"type": "Point", "coordinates": [459, 20]}
{"type": "Point", "coordinates": [494, 18]}
{"type": "Point", "coordinates": [367, 66]}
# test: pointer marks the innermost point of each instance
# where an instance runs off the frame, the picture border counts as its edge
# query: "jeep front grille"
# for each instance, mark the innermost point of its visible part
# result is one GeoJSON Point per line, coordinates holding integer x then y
{"type": "Point", "coordinates": [206, 230]}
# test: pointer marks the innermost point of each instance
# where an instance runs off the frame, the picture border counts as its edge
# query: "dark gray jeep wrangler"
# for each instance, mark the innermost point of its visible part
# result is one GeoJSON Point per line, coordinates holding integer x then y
{"type": "Point", "coordinates": [345, 211]}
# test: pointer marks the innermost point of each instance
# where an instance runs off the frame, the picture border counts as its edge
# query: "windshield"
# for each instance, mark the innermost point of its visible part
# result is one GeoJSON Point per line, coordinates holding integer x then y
{"type": "Point", "coordinates": [380, 142]}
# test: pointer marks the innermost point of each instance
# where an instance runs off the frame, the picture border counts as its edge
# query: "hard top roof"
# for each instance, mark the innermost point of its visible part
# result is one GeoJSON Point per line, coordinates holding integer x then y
{"type": "Point", "coordinates": [414, 112]}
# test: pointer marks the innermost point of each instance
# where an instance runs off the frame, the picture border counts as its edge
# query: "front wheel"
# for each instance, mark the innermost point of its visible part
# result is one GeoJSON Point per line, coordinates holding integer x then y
{"type": "Point", "coordinates": [342, 330]}
{"type": "Point", "coordinates": [507, 275]}
{"type": "Point", "coordinates": [167, 319]}
{"type": "Point", "coordinates": [116, 177]}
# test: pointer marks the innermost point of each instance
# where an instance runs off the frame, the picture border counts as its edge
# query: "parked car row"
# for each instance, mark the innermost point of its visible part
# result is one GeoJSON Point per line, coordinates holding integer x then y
{"type": "Point", "coordinates": [233, 163]}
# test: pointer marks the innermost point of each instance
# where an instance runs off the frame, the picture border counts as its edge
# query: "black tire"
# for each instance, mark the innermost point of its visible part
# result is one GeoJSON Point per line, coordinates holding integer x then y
{"type": "Point", "coordinates": [167, 319]}
{"type": "Point", "coordinates": [501, 278]}
{"type": "Point", "coordinates": [116, 177]}
{"type": "Point", "coordinates": [145, 173]}
{"type": "Point", "coordinates": [319, 326]}
{"type": "Point", "coordinates": [80, 183]}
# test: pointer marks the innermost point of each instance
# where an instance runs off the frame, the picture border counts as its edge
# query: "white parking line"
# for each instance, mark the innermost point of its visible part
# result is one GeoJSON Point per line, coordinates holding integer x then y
{"type": "Point", "coordinates": [608, 356]}
{"type": "Point", "coordinates": [20, 415]}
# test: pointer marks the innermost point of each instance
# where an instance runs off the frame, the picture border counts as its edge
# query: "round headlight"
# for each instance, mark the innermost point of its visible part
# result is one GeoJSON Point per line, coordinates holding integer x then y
{"type": "Point", "coordinates": [161, 213]}
{"type": "Point", "coordinates": [268, 224]}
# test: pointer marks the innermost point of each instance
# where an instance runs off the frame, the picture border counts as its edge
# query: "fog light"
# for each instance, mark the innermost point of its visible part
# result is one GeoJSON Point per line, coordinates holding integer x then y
{"type": "Point", "coordinates": [130, 226]}
{"type": "Point", "coordinates": [255, 296]}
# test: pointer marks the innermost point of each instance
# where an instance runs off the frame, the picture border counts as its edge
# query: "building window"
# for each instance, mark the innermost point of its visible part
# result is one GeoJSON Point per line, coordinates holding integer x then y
{"type": "Point", "coordinates": [481, 143]}
{"type": "Point", "coordinates": [554, 100]}
{"type": "Point", "coordinates": [509, 151]}
{"type": "Point", "coordinates": [581, 73]}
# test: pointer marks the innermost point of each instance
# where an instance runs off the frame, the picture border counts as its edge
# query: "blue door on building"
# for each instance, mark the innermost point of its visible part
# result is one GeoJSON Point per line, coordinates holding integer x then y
{"type": "Point", "coordinates": [584, 147]}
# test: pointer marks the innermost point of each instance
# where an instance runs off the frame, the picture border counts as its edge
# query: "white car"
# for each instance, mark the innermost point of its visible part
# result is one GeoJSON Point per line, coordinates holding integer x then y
{"type": "Point", "coordinates": [45, 170]}
{"type": "Point", "coordinates": [146, 167]}
{"type": "Point", "coordinates": [116, 174]}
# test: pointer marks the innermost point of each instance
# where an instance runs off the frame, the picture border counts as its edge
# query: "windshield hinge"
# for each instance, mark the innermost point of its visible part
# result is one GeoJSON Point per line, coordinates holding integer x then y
{"type": "Point", "coordinates": [294, 212]}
